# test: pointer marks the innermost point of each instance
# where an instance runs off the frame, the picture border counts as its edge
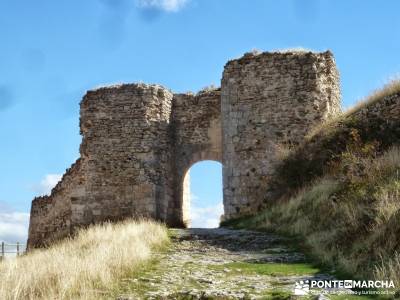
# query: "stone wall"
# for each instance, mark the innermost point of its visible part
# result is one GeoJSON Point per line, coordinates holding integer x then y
{"type": "Point", "coordinates": [125, 165]}
{"type": "Point", "coordinates": [139, 142]}
{"type": "Point", "coordinates": [51, 216]}
{"type": "Point", "coordinates": [196, 124]}
{"type": "Point", "coordinates": [126, 142]}
{"type": "Point", "coordinates": [270, 100]}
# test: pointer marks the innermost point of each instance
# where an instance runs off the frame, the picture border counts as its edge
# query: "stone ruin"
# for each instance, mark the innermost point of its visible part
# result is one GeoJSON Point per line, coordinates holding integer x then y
{"type": "Point", "coordinates": [140, 140]}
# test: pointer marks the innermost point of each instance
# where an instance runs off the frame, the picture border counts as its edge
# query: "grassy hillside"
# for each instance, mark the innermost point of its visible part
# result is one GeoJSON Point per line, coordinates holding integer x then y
{"type": "Point", "coordinates": [88, 266]}
{"type": "Point", "coordinates": [339, 192]}
{"type": "Point", "coordinates": [372, 126]}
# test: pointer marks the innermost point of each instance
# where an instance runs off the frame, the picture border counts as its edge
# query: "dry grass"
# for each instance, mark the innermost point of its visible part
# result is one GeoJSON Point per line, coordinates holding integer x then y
{"type": "Point", "coordinates": [325, 127]}
{"type": "Point", "coordinates": [389, 269]}
{"type": "Point", "coordinates": [282, 151]}
{"type": "Point", "coordinates": [390, 88]}
{"type": "Point", "coordinates": [294, 50]}
{"type": "Point", "coordinates": [349, 218]}
{"type": "Point", "coordinates": [88, 266]}
{"type": "Point", "coordinates": [209, 88]}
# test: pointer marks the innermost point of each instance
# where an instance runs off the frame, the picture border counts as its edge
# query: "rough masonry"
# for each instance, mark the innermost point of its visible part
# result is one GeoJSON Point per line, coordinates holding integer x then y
{"type": "Point", "coordinates": [140, 140]}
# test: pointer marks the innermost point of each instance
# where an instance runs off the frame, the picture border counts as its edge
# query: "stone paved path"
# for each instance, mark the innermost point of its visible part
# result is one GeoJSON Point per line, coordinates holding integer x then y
{"type": "Point", "coordinates": [223, 264]}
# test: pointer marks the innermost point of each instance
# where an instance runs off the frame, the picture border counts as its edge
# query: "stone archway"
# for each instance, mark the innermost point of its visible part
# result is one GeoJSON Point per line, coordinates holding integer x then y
{"type": "Point", "coordinates": [185, 191]}
{"type": "Point", "coordinates": [196, 124]}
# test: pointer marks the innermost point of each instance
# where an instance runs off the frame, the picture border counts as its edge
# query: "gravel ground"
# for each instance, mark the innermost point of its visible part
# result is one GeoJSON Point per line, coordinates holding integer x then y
{"type": "Point", "coordinates": [206, 264]}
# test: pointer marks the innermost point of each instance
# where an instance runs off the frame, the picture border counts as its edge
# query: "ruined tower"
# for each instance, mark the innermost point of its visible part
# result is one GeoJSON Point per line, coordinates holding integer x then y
{"type": "Point", "coordinates": [269, 100]}
{"type": "Point", "coordinates": [139, 141]}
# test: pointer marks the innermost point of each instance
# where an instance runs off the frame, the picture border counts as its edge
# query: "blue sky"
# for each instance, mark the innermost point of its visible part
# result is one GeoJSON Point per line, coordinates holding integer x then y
{"type": "Point", "coordinates": [52, 51]}
{"type": "Point", "coordinates": [206, 193]}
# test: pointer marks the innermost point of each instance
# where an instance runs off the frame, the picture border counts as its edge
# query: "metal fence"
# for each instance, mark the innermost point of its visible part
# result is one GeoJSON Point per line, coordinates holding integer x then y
{"type": "Point", "coordinates": [12, 249]}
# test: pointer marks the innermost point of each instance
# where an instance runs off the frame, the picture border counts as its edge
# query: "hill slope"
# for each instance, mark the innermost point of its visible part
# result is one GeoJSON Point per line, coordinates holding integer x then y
{"type": "Point", "coordinates": [340, 190]}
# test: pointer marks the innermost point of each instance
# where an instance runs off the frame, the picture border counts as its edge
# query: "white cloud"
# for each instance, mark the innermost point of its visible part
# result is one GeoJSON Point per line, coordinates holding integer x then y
{"type": "Point", "coordinates": [165, 5]}
{"type": "Point", "coordinates": [206, 217]}
{"type": "Point", "coordinates": [46, 184]}
{"type": "Point", "coordinates": [14, 227]}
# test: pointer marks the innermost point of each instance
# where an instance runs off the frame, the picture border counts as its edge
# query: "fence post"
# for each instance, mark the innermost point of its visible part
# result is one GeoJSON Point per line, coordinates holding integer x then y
{"type": "Point", "coordinates": [2, 250]}
{"type": "Point", "coordinates": [17, 248]}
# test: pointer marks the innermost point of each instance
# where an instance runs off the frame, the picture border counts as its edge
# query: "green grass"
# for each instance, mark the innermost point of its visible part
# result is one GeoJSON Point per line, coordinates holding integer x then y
{"type": "Point", "coordinates": [278, 295]}
{"type": "Point", "coordinates": [271, 269]}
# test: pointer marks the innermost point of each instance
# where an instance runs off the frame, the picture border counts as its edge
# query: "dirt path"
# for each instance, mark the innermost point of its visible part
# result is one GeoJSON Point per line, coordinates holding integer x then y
{"type": "Point", "coordinates": [223, 264]}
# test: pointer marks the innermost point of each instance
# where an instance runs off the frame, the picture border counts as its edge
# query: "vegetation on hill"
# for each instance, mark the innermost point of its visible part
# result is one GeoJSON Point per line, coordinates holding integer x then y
{"type": "Point", "coordinates": [340, 192]}
{"type": "Point", "coordinates": [350, 131]}
{"type": "Point", "coordinates": [88, 266]}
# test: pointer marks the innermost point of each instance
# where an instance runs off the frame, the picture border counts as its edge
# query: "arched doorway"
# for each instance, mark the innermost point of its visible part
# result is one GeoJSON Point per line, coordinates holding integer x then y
{"type": "Point", "coordinates": [202, 202]}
